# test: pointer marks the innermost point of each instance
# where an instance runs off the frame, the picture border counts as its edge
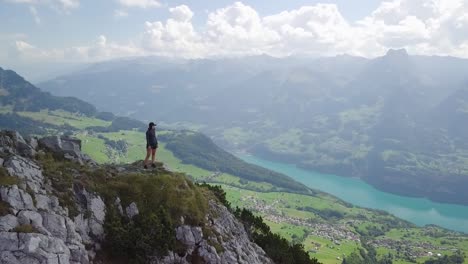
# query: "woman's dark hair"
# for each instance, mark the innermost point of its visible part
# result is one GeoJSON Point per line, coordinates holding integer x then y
{"type": "Point", "coordinates": [151, 125]}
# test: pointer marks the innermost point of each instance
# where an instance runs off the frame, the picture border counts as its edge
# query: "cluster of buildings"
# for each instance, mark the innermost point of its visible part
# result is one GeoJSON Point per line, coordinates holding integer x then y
{"type": "Point", "coordinates": [414, 249]}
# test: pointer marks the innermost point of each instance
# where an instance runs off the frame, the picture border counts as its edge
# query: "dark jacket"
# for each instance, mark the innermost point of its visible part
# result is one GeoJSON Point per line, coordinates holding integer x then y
{"type": "Point", "coordinates": [151, 138]}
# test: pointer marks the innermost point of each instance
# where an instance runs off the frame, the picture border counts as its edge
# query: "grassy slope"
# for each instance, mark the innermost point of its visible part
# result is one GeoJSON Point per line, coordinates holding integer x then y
{"type": "Point", "coordinates": [59, 117]}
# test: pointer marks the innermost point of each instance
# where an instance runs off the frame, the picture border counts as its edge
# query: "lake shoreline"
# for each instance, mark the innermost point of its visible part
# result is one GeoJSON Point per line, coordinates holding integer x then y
{"type": "Point", "coordinates": [417, 210]}
{"type": "Point", "coordinates": [380, 185]}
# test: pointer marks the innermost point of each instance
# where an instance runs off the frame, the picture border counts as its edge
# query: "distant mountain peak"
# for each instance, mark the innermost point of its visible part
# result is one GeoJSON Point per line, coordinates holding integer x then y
{"type": "Point", "coordinates": [401, 53]}
{"type": "Point", "coordinates": [395, 58]}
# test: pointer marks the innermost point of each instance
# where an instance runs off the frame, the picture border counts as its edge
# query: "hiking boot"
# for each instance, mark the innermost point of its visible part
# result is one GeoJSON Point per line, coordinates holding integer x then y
{"type": "Point", "coordinates": [145, 167]}
{"type": "Point", "coordinates": [153, 165]}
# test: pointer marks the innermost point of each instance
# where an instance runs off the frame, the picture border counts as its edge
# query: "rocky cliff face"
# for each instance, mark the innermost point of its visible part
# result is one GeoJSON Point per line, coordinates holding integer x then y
{"type": "Point", "coordinates": [36, 227]}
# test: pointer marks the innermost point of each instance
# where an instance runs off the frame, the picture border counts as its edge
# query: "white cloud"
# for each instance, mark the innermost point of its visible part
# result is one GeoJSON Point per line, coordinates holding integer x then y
{"type": "Point", "coordinates": [421, 26]}
{"type": "Point", "coordinates": [181, 13]}
{"type": "Point", "coordinates": [140, 3]}
{"type": "Point", "coordinates": [176, 36]}
{"type": "Point", "coordinates": [319, 29]}
{"type": "Point", "coordinates": [99, 50]}
{"type": "Point", "coordinates": [35, 15]}
{"type": "Point", "coordinates": [25, 50]}
{"type": "Point", "coordinates": [238, 29]}
{"type": "Point", "coordinates": [120, 13]}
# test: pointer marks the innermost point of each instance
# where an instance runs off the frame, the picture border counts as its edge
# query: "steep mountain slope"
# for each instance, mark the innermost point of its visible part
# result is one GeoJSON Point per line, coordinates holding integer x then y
{"type": "Point", "coordinates": [21, 95]}
{"type": "Point", "coordinates": [349, 116]}
{"type": "Point", "coordinates": [456, 107]}
{"type": "Point", "coordinates": [54, 210]}
{"type": "Point", "coordinates": [25, 107]}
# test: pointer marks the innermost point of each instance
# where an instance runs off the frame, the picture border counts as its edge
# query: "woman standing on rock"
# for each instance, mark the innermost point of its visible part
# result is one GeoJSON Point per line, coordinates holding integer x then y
{"type": "Point", "coordinates": [151, 145]}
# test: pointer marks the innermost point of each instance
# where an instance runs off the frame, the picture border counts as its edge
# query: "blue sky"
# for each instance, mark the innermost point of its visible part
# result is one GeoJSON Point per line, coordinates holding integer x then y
{"type": "Point", "coordinates": [93, 18]}
{"type": "Point", "coordinates": [41, 34]}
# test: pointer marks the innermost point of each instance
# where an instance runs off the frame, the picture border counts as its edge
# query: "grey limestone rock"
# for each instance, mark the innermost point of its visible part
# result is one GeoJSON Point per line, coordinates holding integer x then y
{"type": "Point", "coordinates": [27, 217]}
{"type": "Point", "coordinates": [132, 210]}
{"type": "Point", "coordinates": [6, 257]}
{"type": "Point", "coordinates": [33, 142]}
{"type": "Point", "coordinates": [171, 258]}
{"type": "Point", "coordinates": [82, 227]}
{"type": "Point", "coordinates": [26, 170]}
{"type": "Point", "coordinates": [8, 222]}
{"type": "Point", "coordinates": [57, 240]}
{"type": "Point", "coordinates": [8, 241]}
{"type": "Point", "coordinates": [17, 198]}
{"type": "Point", "coordinates": [11, 142]}
{"type": "Point", "coordinates": [91, 227]}
{"type": "Point", "coordinates": [32, 248]}
{"type": "Point", "coordinates": [55, 224]}
{"type": "Point", "coordinates": [98, 214]}
{"type": "Point", "coordinates": [234, 239]}
{"type": "Point", "coordinates": [49, 203]}
{"type": "Point", "coordinates": [118, 205]}
{"type": "Point", "coordinates": [70, 148]}
{"type": "Point", "coordinates": [230, 235]}
{"type": "Point", "coordinates": [188, 235]}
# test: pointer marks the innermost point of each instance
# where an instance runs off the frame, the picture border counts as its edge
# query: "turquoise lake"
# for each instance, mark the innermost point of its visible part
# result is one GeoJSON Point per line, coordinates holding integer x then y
{"type": "Point", "coordinates": [416, 210]}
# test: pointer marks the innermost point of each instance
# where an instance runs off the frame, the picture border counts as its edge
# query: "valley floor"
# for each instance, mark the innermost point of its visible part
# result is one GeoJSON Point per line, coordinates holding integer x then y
{"type": "Point", "coordinates": [329, 228]}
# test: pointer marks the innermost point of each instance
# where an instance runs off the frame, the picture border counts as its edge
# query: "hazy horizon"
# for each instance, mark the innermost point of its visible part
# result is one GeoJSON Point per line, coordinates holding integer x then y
{"type": "Point", "coordinates": [42, 37]}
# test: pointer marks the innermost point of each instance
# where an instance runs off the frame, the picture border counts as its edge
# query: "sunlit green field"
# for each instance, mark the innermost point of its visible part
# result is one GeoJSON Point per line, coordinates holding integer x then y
{"type": "Point", "coordinates": [61, 118]}
{"type": "Point", "coordinates": [94, 147]}
{"type": "Point", "coordinates": [5, 109]}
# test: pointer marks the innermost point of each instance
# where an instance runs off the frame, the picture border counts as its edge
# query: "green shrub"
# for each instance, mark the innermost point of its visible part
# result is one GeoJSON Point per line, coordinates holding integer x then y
{"type": "Point", "coordinates": [61, 173]}
{"type": "Point", "coordinates": [6, 179]}
{"type": "Point", "coordinates": [179, 196]}
{"type": "Point", "coordinates": [25, 229]}
{"type": "Point", "coordinates": [218, 192]}
{"type": "Point", "coordinates": [4, 208]}
{"type": "Point", "coordinates": [161, 200]}
{"type": "Point", "coordinates": [146, 235]}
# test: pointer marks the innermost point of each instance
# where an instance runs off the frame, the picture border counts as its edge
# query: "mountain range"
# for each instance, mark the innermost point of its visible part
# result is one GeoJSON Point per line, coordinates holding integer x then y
{"type": "Point", "coordinates": [396, 121]}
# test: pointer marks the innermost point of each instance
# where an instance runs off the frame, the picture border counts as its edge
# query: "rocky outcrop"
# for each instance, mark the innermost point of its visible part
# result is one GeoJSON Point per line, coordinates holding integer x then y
{"type": "Point", "coordinates": [67, 147]}
{"type": "Point", "coordinates": [132, 210]}
{"type": "Point", "coordinates": [11, 142]}
{"type": "Point", "coordinates": [17, 198]}
{"type": "Point", "coordinates": [39, 229]}
{"type": "Point", "coordinates": [28, 171]}
{"type": "Point", "coordinates": [52, 236]}
{"type": "Point", "coordinates": [8, 223]}
{"type": "Point", "coordinates": [91, 227]}
{"type": "Point", "coordinates": [228, 243]}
